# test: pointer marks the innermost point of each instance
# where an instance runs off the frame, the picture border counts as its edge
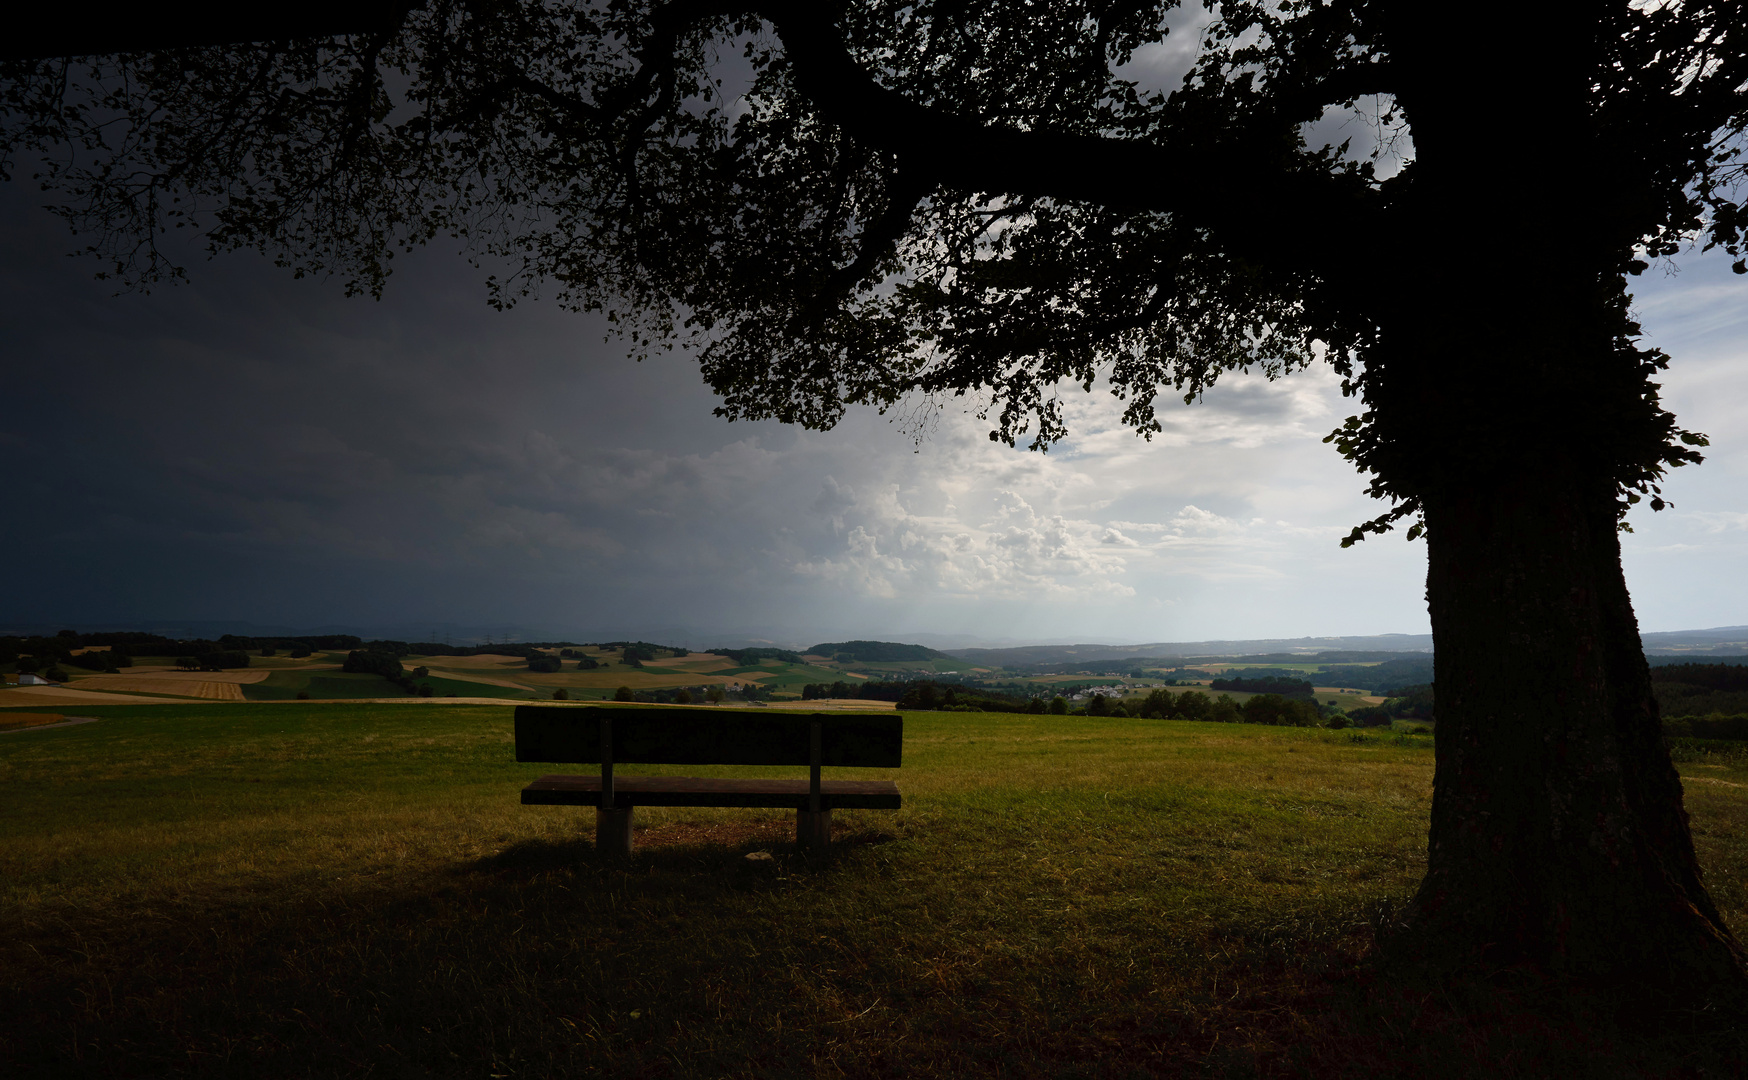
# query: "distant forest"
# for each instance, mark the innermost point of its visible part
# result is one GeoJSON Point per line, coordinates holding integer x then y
{"type": "Point", "coordinates": [1688, 689]}
{"type": "Point", "coordinates": [749, 657]}
{"type": "Point", "coordinates": [875, 652]}
{"type": "Point", "coordinates": [1285, 685]}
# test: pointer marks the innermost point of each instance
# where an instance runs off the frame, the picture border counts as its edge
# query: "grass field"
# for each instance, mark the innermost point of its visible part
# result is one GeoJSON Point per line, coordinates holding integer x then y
{"type": "Point", "coordinates": [1345, 701]}
{"type": "Point", "coordinates": [349, 890]}
{"type": "Point", "coordinates": [279, 678]}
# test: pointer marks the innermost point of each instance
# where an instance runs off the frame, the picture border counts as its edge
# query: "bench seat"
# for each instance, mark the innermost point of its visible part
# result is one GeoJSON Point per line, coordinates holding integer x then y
{"type": "Point", "coordinates": [633, 735]}
{"type": "Point", "coordinates": [628, 791]}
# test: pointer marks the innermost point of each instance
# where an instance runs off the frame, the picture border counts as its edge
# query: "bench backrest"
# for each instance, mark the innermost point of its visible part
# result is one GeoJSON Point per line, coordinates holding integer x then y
{"type": "Point", "coordinates": [692, 736]}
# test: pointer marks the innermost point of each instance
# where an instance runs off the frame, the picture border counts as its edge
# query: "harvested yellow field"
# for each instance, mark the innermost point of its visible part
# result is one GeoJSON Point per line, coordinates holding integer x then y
{"type": "Point", "coordinates": [489, 661]}
{"type": "Point", "coordinates": [496, 701]}
{"type": "Point", "coordinates": [207, 689]}
{"type": "Point", "coordinates": [631, 677]}
{"type": "Point", "coordinates": [476, 677]}
{"type": "Point", "coordinates": [60, 695]}
{"type": "Point", "coordinates": [12, 721]}
{"type": "Point", "coordinates": [211, 686]}
{"type": "Point", "coordinates": [114, 682]}
{"type": "Point", "coordinates": [701, 662]}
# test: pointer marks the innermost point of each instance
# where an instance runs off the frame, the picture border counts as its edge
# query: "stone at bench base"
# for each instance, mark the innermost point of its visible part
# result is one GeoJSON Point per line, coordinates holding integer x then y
{"type": "Point", "coordinates": [613, 833]}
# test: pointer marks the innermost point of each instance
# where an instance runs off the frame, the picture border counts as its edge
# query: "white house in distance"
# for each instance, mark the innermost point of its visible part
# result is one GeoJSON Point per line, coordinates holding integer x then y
{"type": "Point", "coordinates": [27, 679]}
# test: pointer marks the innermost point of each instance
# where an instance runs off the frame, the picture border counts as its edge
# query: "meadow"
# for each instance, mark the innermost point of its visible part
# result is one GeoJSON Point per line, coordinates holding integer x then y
{"type": "Point", "coordinates": [353, 889]}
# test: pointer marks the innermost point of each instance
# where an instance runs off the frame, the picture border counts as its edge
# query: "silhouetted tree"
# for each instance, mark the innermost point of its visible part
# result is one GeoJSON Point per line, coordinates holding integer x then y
{"type": "Point", "coordinates": [1193, 705]}
{"type": "Point", "coordinates": [946, 198]}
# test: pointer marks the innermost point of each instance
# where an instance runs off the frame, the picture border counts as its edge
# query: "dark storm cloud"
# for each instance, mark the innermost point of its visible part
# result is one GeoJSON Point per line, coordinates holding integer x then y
{"type": "Point", "coordinates": [263, 440]}
{"type": "Point", "coordinates": [249, 446]}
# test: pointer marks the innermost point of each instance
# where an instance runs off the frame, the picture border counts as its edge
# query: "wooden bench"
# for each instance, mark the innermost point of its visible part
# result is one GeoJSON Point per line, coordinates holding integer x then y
{"type": "Point", "coordinates": [694, 736]}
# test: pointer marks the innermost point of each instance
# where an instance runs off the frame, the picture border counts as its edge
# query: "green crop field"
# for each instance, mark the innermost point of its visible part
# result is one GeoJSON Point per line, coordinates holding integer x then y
{"type": "Point", "coordinates": [265, 890]}
{"type": "Point", "coordinates": [284, 685]}
{"type": "Point", "coordinates": [1069, 680]}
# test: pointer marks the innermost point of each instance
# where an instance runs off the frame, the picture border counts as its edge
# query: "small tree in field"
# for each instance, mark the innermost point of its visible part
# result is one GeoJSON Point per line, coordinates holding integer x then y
{"type": "Point", "coordinates": [714, 695]}
{"type": "Point", "coordinates": [624, 694]}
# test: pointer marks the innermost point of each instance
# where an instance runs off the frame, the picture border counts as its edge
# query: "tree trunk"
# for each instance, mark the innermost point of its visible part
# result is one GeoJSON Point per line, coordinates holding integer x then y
{"type": "Point", "coordinates": [1558, 835]}
{"type": "Point", "coordinates": [1510, 398]}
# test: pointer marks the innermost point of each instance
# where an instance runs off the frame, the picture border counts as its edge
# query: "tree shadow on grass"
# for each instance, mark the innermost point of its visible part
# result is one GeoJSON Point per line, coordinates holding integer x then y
{"type": "Point", "coordinates": [1378, 1019]}
{"type": "Point", "coordinates": [750, 846]}
{"type": "Point", "coordinates": [693, 960]}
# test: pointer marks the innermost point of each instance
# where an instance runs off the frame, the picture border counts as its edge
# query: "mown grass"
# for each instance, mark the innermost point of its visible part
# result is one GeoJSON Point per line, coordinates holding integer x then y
{"type": "Point", "coordinates": [275, 890]}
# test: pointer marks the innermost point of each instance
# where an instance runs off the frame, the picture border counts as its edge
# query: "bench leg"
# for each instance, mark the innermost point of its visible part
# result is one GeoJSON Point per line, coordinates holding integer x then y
{"type": "Point", "coordinates": [613, 833]}
{"type": "Point", "coordinates": [813, 832]}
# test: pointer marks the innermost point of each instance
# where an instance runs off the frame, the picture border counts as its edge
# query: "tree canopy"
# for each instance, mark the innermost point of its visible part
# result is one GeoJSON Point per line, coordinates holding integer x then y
{"type": "Point", "coordinates": [852, 203]}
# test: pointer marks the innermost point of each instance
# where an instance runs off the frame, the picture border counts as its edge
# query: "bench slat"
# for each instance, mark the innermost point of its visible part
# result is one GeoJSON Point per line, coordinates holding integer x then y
{"type": "Point", "coordinates": [562, 790]}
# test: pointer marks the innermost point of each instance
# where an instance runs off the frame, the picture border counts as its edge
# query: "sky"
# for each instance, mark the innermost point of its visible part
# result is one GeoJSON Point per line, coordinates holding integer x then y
{"type": "Point", "coordinates": [249, 447]}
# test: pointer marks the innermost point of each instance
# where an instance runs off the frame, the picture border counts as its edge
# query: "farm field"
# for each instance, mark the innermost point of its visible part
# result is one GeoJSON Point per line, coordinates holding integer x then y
{"type": "Point", "coordinates": [353, 889]}
{"type": "Point", "coordinates": [19, 696]}
{"type": "Point", "coordinates": [279, 678]}
{"type": "Point", "coordinates": [1341, 698]}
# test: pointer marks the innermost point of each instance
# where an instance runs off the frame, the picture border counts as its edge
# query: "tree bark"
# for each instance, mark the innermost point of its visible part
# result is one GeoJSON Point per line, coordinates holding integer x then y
{"type": "Point", "coordinates": [1510, 399]}
{"type": "Point", "coordinates": [1558, 834]}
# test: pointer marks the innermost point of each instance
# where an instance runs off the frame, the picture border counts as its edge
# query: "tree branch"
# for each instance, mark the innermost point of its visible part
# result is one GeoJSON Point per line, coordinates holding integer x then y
{"type": "Point", "coordinates": [42, 31]}
{"type": "Point", "coordinates": [905, 190]}
{"type": "Point", "coordinates": [1227, 185]}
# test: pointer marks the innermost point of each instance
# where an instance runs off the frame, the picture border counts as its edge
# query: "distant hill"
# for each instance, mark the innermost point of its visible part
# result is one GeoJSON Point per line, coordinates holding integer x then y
{"type": "Point", "coordinates": [1308, 648]}
{"type": "Point", "coordinates": [876, 652]}
{"type": "Point", "coordinates": [1718, 641]}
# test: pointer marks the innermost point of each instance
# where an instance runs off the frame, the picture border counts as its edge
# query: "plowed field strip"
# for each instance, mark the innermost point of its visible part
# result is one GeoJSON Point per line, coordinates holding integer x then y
{"type": "Point", "coordinates": [212, 690]}
{"type": "Point", "coordinates": [54, 695]}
